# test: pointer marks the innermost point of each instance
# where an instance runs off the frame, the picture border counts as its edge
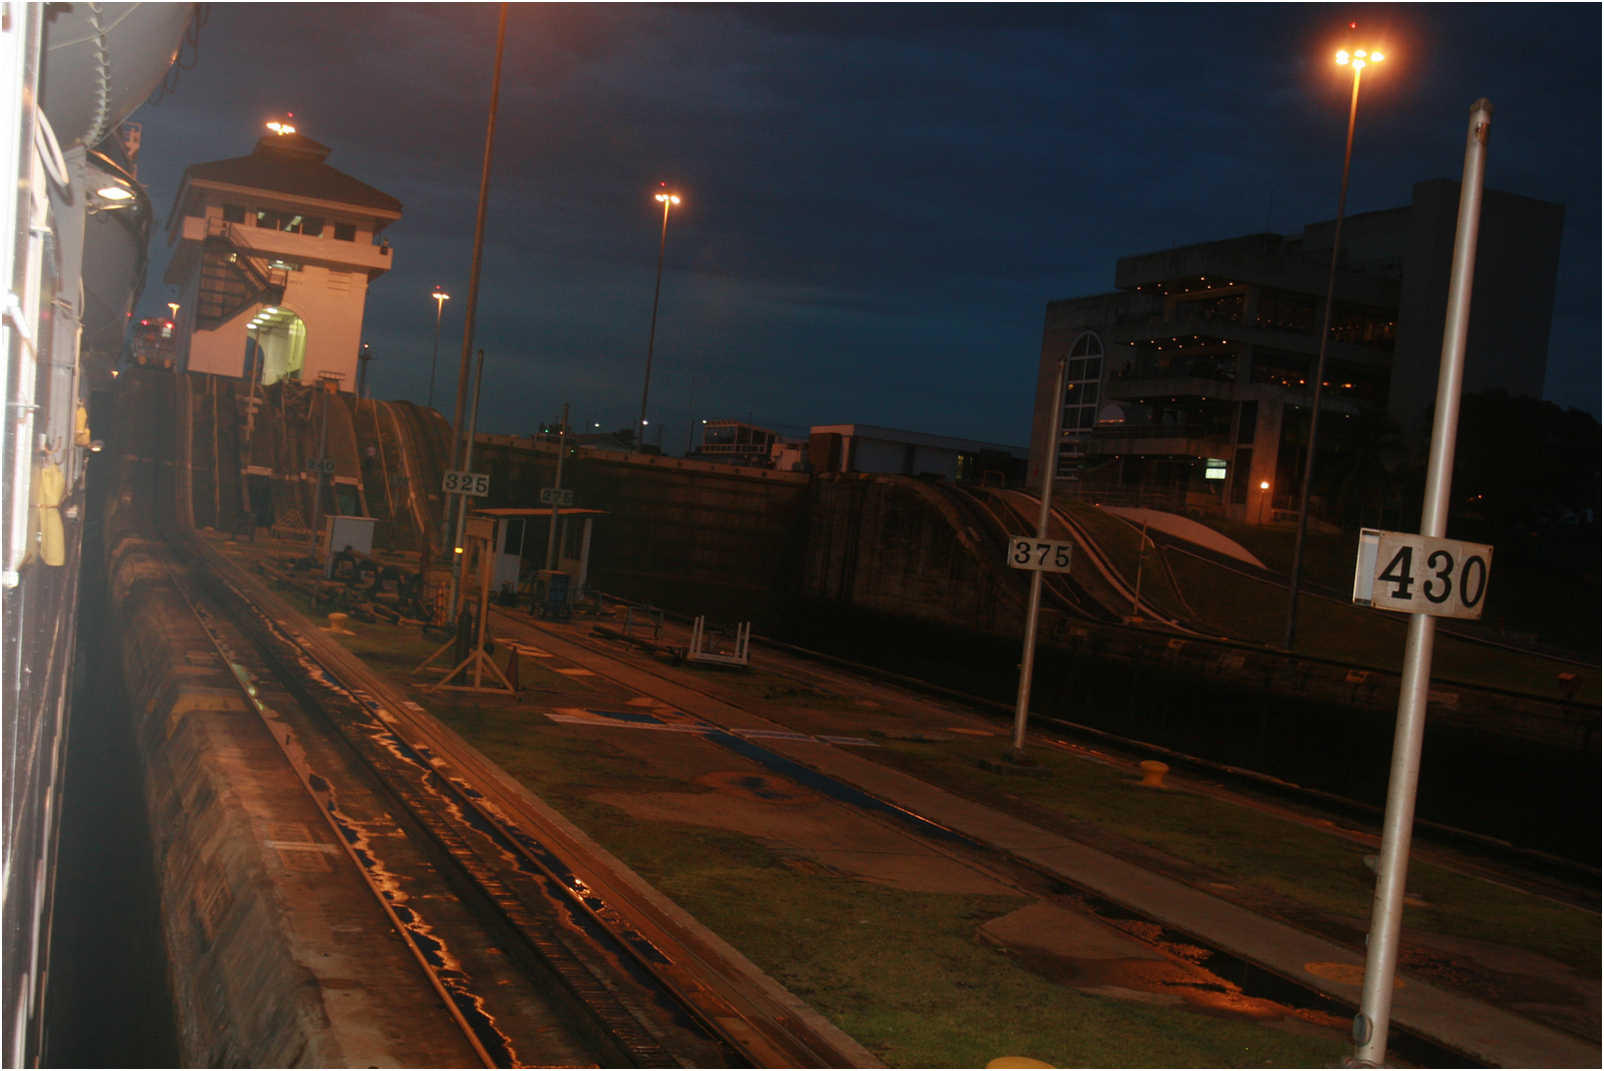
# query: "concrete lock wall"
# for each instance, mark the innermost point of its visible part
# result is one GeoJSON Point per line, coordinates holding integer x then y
{"type": "Point", "coordinates": [885, 545]}
{"type": "Point", "coordinates": [241, 997]}
{"type": "Point", "coordinates": [699, 537]}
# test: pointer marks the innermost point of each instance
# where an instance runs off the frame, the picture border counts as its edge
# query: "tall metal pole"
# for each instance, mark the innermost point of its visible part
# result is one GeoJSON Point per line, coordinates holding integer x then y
{"type": "Point", "coordinates": [473, 281]}
{"type": "Point", "coordinates": [1027, 660]}
{"type": "Point", "coordinates": [322, 452]}
{"type": "Point", "coordinates": [1319, 377]}
{"type": "Point", "coordinates": [1386, 912]}
{"type": "Point", "coordinates": [467, 460]}
{"type": "Point", "coordinates": [690, 421]}
{"type": "Point", "coordinates": [440, 299]}
{"type": "Point", "coordinates": [1136, 596]}
{"type": "Point", "coordinates": [562, 451]}
{"type": "Point", "coordinates": [651, 338]}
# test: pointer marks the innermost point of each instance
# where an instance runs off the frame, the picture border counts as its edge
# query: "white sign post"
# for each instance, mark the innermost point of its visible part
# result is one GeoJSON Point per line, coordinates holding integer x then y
{"type": "Point", "coordinates": [1417, 575]}
{"type": "Point", "coordinates": [1042, 555]}
{"type": "Point", "coordinates": [1027, 660]}
{"type": "Point", "coordinates": [561, 497]}
{"type": "Point", "coordinates": [466, 483]}
{"type": "Point", "coordinates": [1386, 910]}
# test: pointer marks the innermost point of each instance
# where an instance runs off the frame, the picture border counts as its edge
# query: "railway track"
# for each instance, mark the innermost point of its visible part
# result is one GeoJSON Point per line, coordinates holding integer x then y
{"type": "Point", "coordinates": [542, 948]}
{"type": "Point", "coordinates": [546, 951]}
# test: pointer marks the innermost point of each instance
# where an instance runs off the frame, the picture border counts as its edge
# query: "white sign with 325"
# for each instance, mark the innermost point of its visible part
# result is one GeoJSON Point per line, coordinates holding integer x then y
{"type": "Point", "coordinates": [466, 483]}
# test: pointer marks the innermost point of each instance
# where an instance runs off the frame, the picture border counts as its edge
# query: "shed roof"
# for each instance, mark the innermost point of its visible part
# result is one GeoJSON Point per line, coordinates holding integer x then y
{"type": "Point", "coordinates": [293, 164]}
{"type": "Point", "coordinates": [536, 511]}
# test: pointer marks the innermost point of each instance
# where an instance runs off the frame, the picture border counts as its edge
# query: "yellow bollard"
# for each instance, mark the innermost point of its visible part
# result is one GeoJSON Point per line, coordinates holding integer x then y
{"type": "Point", "coordinates": [49, 487]}
{"type": "Point", "coordinates": [1153, 773]}
{"type": "Point", "coordinates": [337, 622]}
{"type": "Point", "coordinates": [1016, 1061]}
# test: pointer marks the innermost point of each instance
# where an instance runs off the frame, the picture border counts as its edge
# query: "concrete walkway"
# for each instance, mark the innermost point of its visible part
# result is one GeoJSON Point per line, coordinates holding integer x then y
{"type": "Point", "coordinates": [1464, 1023]}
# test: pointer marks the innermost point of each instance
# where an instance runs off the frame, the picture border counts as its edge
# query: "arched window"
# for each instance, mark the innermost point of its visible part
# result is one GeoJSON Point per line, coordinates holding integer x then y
{"type": "Point", "coordinates": [1083, 374]}
{"type": "Point", "coordinates": [275, 345]}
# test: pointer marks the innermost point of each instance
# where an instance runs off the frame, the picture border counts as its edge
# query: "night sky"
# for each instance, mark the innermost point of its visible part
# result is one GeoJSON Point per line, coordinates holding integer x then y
{"type": "Point", "coordinates": [879, 201]}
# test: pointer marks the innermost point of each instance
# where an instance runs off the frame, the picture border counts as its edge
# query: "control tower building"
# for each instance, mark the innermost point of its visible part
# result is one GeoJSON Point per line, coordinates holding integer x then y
{"type": "Point", "coordinates": [273, 254]}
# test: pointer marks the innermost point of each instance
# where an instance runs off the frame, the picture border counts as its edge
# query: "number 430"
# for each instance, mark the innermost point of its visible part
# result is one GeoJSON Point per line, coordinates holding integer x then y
{"type": "Point", "coordinates": [1438, 584]}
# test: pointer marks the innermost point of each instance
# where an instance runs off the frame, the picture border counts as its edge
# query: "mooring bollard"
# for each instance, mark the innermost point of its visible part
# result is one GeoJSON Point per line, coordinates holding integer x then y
{"type": "Point", "coordinates": [513, 651]}
{"type": "Point", "coordinates": [1153, 773]}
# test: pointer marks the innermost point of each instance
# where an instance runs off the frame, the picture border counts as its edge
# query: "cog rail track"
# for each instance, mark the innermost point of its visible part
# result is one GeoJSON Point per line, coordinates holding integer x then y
{"type": "Point", "coordinates": [543, 947]}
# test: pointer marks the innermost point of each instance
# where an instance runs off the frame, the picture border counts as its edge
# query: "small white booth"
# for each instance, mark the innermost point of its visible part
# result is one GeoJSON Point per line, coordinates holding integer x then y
{"type": "Point", "coordinates": [342, 533]}
{"type": "Point", "coordinates": [521, 534]}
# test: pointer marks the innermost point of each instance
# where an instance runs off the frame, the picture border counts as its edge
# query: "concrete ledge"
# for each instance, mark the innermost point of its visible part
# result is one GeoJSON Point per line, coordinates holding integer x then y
{"type": "Point", "coordinates": [242, 997]}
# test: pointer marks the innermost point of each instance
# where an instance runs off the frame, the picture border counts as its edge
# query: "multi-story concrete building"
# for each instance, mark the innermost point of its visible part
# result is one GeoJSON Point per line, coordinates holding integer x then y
{"type": "Point", "coordinates": [1189, 386]}
{"type": "Point", "coordinates": [273, 256]}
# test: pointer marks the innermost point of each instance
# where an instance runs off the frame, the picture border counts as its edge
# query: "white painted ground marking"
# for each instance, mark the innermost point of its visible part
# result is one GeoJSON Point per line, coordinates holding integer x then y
{"type": "Point", "coordinates": [581, 716]}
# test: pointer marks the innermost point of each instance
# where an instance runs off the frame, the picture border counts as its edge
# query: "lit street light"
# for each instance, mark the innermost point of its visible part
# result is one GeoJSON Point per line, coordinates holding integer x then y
{"type": "Point", "coordinates": [667, 199]}
{"type": "Point", "coordinates": [440, 299]}
{"type": "Point", "coordinates": [1358, 59]}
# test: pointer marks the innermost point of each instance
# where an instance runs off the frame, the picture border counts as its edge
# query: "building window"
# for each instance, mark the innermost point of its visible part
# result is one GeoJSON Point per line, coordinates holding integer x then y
{"type": "Point", "coordinates": [345, 232]}
{"type": "Point", "coordinates": [234, 213]}
{"type": "Point", "coordinates": [1082, 374]}
{"type": "Point", "coordinates": [293, 222]}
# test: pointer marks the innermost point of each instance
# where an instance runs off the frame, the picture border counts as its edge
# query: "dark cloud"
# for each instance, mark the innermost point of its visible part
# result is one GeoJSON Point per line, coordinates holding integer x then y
{"type": "Point", "coordinates": [879, 200]}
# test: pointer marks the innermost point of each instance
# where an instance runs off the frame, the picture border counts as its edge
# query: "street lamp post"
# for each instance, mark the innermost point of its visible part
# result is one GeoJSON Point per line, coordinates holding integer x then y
{"type": "Point", "coordinates": [458, 448]}
{"type": "Point", "coordinates": [1358, 59]}
{"type": "Point", "coordinates": [440, 299]}
{"type": "Point", "coordinates": [667, 199]}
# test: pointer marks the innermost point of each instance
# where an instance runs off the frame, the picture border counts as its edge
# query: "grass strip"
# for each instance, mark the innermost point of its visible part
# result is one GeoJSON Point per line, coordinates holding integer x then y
{"type": "Point", "coordinates": [904, 973]}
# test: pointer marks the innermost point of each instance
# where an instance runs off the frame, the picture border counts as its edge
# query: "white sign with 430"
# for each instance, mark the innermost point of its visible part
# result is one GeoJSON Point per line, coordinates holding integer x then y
{"type": "Point", "coordinates": [1040, 555]}
{"type": "Point", "coordinates": [466, 483]}
{"type": "Point", "coordinates": [1418, 575]}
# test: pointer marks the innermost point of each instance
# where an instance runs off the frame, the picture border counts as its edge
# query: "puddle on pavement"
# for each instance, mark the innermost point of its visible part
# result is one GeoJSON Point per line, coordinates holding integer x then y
{"type": "Point", "coordinates": [1212, 982]}
{"type": "Point", "coordinates": [1167, 982]}
{"type": "Point", "coordinates": [756, 786]}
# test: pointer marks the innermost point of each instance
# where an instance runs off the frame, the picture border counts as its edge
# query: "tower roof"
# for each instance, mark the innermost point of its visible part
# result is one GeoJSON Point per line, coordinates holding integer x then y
{"type": "Point", "coordinates": [293, 164]}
